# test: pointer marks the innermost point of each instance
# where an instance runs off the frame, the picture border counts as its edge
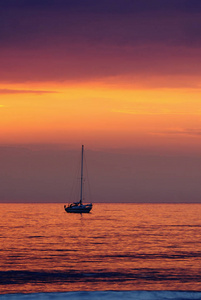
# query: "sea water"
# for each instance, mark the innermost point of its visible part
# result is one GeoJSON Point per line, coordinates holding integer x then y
{"type": "Point", "coordinates": [107, 295]}
{"type": "Point", "coordinates": [131, 251]}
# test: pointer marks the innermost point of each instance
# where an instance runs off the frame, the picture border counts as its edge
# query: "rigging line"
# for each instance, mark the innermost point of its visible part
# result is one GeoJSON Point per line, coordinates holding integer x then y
{"type": "Point", "coordinates": [74, 191]}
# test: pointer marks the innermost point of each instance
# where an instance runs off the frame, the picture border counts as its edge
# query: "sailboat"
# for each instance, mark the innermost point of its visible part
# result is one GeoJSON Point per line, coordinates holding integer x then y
{"type": "Point", "coordinates": [79, 207]}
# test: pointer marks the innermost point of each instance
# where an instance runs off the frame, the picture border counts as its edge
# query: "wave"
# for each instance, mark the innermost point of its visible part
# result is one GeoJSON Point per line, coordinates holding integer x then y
{"type": "Point", "coordinates": [107, 295]}
{"type": "Point", "coordinates": [143, 274]}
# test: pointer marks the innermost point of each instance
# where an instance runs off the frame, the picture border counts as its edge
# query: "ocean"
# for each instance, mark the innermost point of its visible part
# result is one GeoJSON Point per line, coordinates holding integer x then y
{"type": "Point", "coordinates": [130, 251]}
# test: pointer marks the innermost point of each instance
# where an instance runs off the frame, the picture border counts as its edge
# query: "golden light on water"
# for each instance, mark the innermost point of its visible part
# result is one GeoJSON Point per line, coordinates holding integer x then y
{"type": "Point", "coordinates": [140, 246]}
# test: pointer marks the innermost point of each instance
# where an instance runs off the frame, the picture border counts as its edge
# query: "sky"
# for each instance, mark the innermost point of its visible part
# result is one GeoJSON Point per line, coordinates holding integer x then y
{"type": "Point", "coordinates": [121, 77]}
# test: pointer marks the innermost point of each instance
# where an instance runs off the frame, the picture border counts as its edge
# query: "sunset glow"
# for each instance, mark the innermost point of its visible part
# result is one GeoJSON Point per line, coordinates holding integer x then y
{"type": "Point", "coordinates": [112, 114]}
{"type": "Point", "coordinates": [117, 76]}
{"type": "Point", "coordinates": [100, 149]}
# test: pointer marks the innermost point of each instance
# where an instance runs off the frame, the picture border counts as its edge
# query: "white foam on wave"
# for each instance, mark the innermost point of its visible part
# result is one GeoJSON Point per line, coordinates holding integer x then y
{"type": "Point", "coordinates": [107, 295]}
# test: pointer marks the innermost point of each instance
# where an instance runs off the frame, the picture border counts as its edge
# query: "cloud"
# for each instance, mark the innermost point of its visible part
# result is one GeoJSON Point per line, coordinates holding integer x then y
{"type": "Point", "coordinates": [154, 112]}
{"type": "Point", "coordinates": [82, 40]}
{"type": "Point", "coordinates": [180, 131]}
{"type": "Point", "coordinates": [122, 22]}
{"type": "Point", "coordinates": [114, 6]}
{"type": "Point", "coordinates": [9, 91]}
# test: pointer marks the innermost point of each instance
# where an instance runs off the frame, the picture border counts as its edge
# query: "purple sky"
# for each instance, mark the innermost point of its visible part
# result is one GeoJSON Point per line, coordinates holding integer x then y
{"type": "Point", "coordinates": [79, 40]}
{"type": "Point", "coordinates": [48, 173]}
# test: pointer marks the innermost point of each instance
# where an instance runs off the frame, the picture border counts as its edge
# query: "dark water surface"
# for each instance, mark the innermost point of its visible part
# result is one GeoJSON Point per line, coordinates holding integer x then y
{"type": "Point", "coordinates": [115, 247]}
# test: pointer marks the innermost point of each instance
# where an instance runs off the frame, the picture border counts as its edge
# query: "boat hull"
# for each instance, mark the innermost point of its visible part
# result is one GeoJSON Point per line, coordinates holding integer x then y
{"type": "Point", "coordinates": [79, 209]}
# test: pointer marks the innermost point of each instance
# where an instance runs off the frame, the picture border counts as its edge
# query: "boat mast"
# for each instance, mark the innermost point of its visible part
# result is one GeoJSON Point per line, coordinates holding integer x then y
{"type": "Point", "coordinates": [81, 174]}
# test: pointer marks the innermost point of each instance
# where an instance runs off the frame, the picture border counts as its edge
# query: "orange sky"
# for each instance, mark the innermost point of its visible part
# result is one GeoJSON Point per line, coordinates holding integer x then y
{"type": "Point", "coordinates": [101, 115]}
{"type": "Point", "coordinates": [110, 75]}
